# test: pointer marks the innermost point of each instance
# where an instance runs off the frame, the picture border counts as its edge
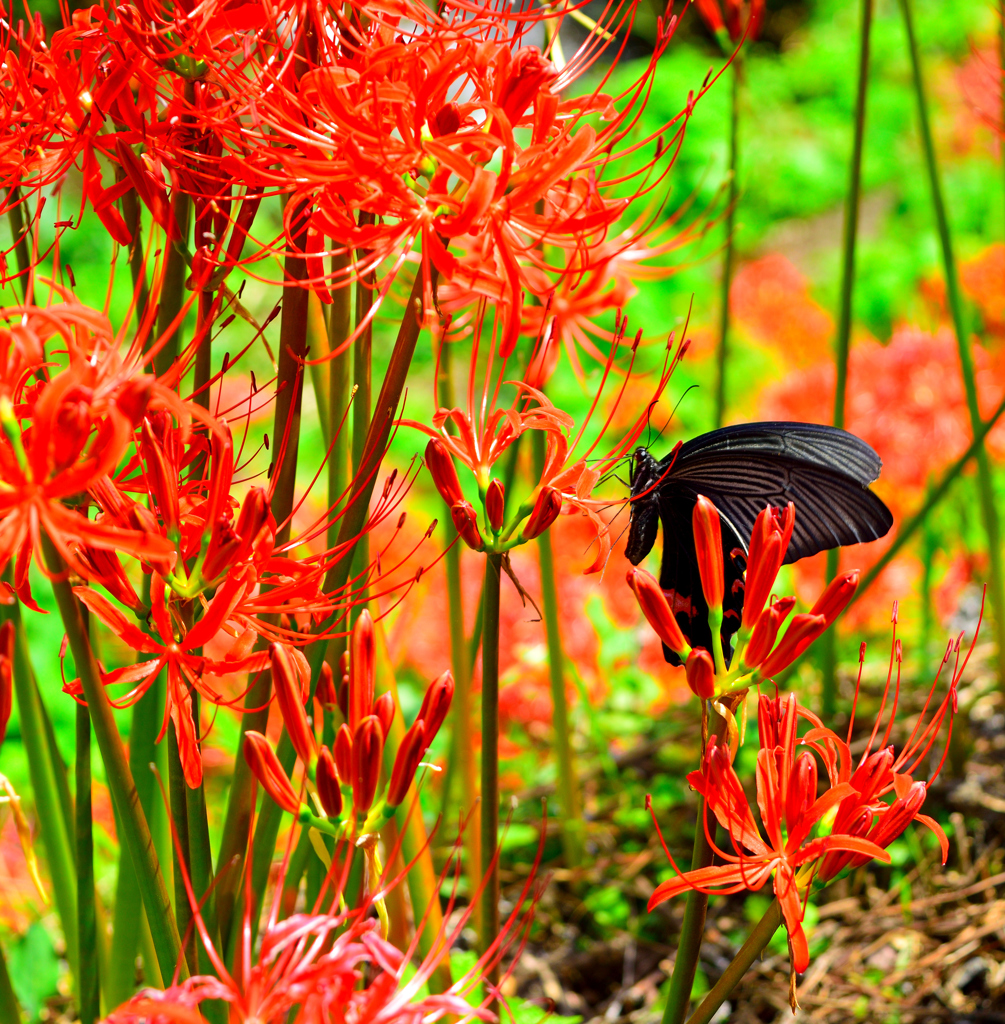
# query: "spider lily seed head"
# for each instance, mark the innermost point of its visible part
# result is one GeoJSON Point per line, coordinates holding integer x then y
{"type": "Point", "coordinates": [708, 545]}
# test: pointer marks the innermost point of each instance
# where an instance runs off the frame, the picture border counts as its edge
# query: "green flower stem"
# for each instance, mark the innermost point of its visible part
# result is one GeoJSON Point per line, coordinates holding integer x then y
{"type": "Point", "coordinates": [19, 233]}
{"type": "Point", "coordinates": [339, 391]}
{"type": "Point", "coordinates": [58, 764]}
{"type": "Point", "coordinates": [201, 861]}
{"type": "Point", "coordinates": [127, 924]}
{"type": "Point", "coordinates": [137, 264]}
{"type": "Point", "coordinates": [55, 830]}
{"type": "Point", "coordinates": [462, 755]}
{"type": "Point", "coordinates": [289, 398]}
{"type": "Point", "coordinates": [568, 789]}
{"type": "Point", "coordinates": [135, 832]}
{"type": "Point", "coordinates": [172, 296]}
{"type": "Point", "coordinates": [423, 882]}
{"type": "Point", "coordinates": [362, 374]}
{"type": "Point", "coordinates": [955, 298]}
{"type": "Point", "coordinates": [843, 345]}
{"type": "Point", "coordinates": [10, 1008]}
{"type": "Point", "coordinates": [87, 925]}
{"type": "Point", "coordinates": [728, 257]}
{"type": "Point", "coordinates": [178, 794]}
{"type": "Point", "coordinates": [759, 937]}
{"type": "Point", "coordinates": [693, 926]}
{"type": "Point", "coordinates": [490, 755]}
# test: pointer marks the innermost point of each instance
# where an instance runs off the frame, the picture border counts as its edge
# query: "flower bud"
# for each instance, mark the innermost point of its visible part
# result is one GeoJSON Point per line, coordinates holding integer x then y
{"type": "Point", "coordinates": [367, 748]}
{"type": "Point", "coordinates": [441, 468]}
{"type": "Point", "coordinates": [406, 762]}
{"type": "Point", "coordinates": [266, 768]}
{"type": "Point", "coordinates": [700, 670]}
{"type": "Point", "coordinates": [361, 670]}
{"type": "Point", "coordinates": [802, 631]}
{"type": "Point", "coordinates": [383, 708]}
{"type": "Point", "coordinates": [343, 751]}
{"type": "Point", "coordinates": [466, 523]}
{"type": "Point", "coordinates": [288, 696]}
{"type": "Point", "coordinates": [436, 704]}
{"type": "Point", "coordinates": [327, 781]}
{"type": "Point", "coordinates": [657, 610]}
{"type": "Point", "coordinates": [325, 691]}
{"type": "Point", "coordinates": [765, 631]}
{"type": "Point", "coordinates": [708, 546]}
{"type": "Point", "coordinates": [768, 543]}
{"type": "Point", "coordinates": [546, 511]}
{"type": "Point", "coordinates": [6, 675]}
{"type": "Point", "coordinates": [343, 686]}
{"type": "Point", "coordinates": [833, 601]}
{"type": "Point", "coordinates": [133, 398]}
{"type": "Point", "coordinates": [495, 504]}
{"type": "Point", "coordinates": [802, 789]}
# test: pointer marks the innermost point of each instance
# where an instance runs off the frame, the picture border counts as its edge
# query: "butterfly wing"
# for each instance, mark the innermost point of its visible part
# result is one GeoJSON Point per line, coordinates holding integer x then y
{"type": "Point", "coordinates": [824, 470]}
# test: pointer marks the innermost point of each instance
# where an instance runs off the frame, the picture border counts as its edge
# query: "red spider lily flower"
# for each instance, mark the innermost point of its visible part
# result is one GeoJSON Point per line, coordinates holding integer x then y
{"type": "Point", "coordinates": [367, 748]}
{"type": "Point", "coordinates": [288, 683]}
{"type": "Point", "coordinates": [790, 811]}
{"type": "Point", "coordinates": [657, 611]}
{"type": "Point", "coordinates": [708, 545]}
{"type": "Point", "coordinates": [406, 762]}
{"type": "Point", "coordinates": [881, 770]}
{"type": "Point", "coordinates": [700, 671]}
{"type": "Point", "coordinates": [6, 676]}
{"type": "Point", "coordinates": [329, 784]}
{"type": "Point", "coordinates": [177, 651]}
{"type": "Point", "coordinates": [769, 541]}
{"type": "Point", "coordinates": [265, 766]}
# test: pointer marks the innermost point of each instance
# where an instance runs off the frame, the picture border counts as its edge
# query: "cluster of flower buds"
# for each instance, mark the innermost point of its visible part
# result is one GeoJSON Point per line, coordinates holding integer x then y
{"type": "Point", "coordinates": [492, 532]}
{"type": "Point", "coordinates": [759, 654]}
{"type": "Point", "coordinates": [346, 778]}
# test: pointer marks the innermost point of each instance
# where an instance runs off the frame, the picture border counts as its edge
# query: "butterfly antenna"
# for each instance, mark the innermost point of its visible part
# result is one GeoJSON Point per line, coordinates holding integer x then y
{"type": "Point", "coordinates": [674, 413]}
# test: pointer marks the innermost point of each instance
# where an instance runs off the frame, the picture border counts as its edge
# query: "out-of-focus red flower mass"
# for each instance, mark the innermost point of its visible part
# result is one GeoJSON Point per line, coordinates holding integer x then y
{"type": "Point", "coordinates": [906, 399]}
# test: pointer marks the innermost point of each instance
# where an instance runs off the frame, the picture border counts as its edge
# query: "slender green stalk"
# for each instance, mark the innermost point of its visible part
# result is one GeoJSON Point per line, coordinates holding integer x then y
{"type": "Point", "coordinates": [985, 485]}
{"type": "Point", "coordinates": [56, 836]}
{"type": "Point", "coordinates": [172, 293]}
{"type": "Point", "coordinates": [10, 1008]}
{"type": "Point", "coordinates": [423, 883]}
{"type": "Point", "coordinates": [87, 924]}
{"type": "Point", "coordinates": [339, 323]}
{"type": "Point", "coordinates": [721, 356]}
{"type": "Point", "coordinates": [693, 926]}
{"type": "Point", "coordinates": [135, 832]}
{"type": "Point", "coordinates": [362, 376]}
{"type": "Point", "coordinates": [178, 795]}
{"type": "Point", "coordinates": [137, 266]}
{"type": "Point", "coordinates": [849, 238]}
{"type": "Point", "coordinates": [462, 754]}
{"type": "Point", "coordinates": [568, 788]}
{"type": "Point", "coordinates": [490, 754]}
{"type": "Point", "coordinates": [759, 937]}
{"type": "Point", "coordinates": [201, 858]}
{"type": "Point", "coordinates": [127, 926]}
{"type": "Point", "coordinates": [58, 764]}
{"type": "Point", "coordinates": [19, 232]}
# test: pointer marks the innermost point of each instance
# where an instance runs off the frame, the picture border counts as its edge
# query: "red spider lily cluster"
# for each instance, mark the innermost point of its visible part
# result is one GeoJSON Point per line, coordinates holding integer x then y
{"type": "Point", "coordinates": [812, 837]}
{"type": "Point", "coordinates": [759, 653]}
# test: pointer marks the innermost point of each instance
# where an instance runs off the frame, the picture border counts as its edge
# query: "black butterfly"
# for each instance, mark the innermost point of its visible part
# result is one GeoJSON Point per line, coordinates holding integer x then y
{"type": "Point", "coordinates": [741, 469]}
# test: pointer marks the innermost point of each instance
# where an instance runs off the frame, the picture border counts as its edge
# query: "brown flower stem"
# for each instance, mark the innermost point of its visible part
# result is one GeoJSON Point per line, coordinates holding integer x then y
{"type": "Point", "coordinates": [135, 833]}
{"type": "Point", "coordinates": [56, 829]}
{"type": "Point", "coordinates": [722, 350]}
{"type": "Point", "coordinates": [87, 926]}
{"type": "Point", "coordinates": [759, 937]}
{"type": "Point", "coordinates": [289, 397]}
{"type": "Point", "coordinates": [985, 486]}
{"type": "Point", "coordinates": [693, 927]}
{"type": "Point", "coordinates": [137, 264]}
{"type": "Point", "coordinates": [568, 789]}
{"type": "Point", "coordinates": [127, 925]}
{"type": "Point", "coordinates": [10, 1008]}
{"type": "Point", "coordinates": [843, 345]}
{"type": "Point", "coordinates": [490, 758]}
{"type": "Point", "coordinates": [19, 232]}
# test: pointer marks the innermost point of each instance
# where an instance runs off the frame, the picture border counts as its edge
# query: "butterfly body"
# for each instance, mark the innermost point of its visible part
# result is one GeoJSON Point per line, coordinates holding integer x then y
{"type": "Point", "coordinates": [742, 469]}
